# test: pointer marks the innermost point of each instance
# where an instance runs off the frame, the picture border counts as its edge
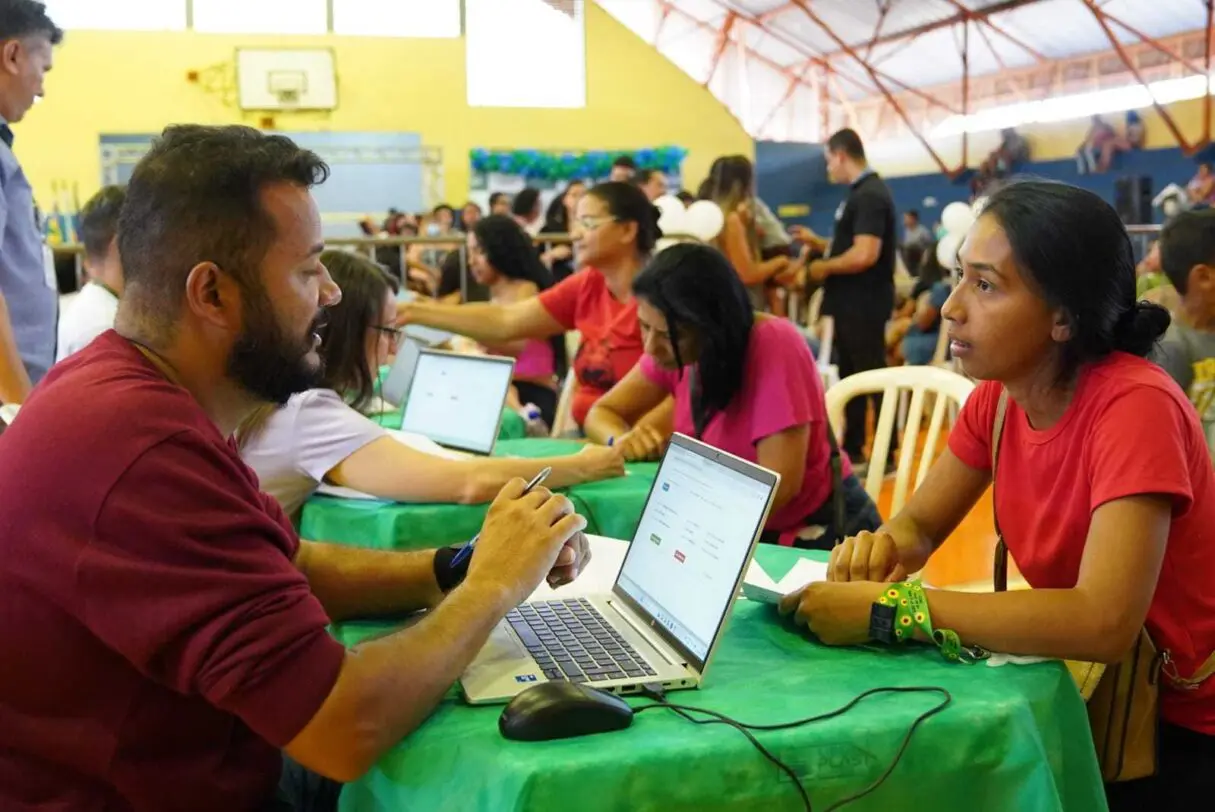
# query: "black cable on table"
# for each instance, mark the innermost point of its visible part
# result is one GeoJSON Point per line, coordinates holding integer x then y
{"type": "Point", "coordinates": [656, 693]}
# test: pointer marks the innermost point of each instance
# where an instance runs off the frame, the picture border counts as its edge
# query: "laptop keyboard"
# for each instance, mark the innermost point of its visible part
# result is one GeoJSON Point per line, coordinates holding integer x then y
{"type": "Point", "coordinates": [570, 640]}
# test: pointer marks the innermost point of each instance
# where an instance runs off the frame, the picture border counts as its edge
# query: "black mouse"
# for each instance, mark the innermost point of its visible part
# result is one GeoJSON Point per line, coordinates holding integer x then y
{"type": "Point", "coordinates": [560, 710]}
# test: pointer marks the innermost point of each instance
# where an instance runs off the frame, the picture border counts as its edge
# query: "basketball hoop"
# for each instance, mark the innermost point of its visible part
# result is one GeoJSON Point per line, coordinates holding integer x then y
{"type": "Point", "coordinates": [287, 86]}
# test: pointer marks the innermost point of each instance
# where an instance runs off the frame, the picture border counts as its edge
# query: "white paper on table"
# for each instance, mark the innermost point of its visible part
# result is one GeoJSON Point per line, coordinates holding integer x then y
{"type": "Point", "coordinates": [597, 578]}
{"type": "Point", "coordinates": [415, 441]}
{"type": "Point", "coordinates": [758, 586]}
{"type": "Point", "coordinates": [804, 572]}
{"type": "Point", "coordinates": [998, 659]}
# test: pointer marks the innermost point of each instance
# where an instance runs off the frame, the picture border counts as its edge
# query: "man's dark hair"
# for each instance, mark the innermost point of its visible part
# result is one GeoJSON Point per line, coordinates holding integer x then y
{"type": "Point", "coordinates": [99, 221]}
{"type": "Point", "coordinates": [444, 207]}
{"type": "Point", "coordinates": [196, 197]}
{"type": "Point", "coordinates": [1187, 240]}
{"type": "Point", "coordinates": [27, 18]}
{"type": "Point", "coordinates": [526, 202]}
{"type": "Point", "coordinates": [643, 177]}
{"type": "Point", "coordinates": [495, 197]}
{"type": "Point", "coordinates": [626, 161]}
{"type": "Point", "coordinates": [847, 142]}
{"type": "Point", "coordinates": [913, 214]}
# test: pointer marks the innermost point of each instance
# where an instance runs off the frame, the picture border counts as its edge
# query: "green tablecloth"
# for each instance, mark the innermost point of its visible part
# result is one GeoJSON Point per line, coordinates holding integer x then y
{"type": "Point", "coordinates": [1015, 738]}
{"type": "Point", "coordinates": [513, 425]}
{"type": "Point", "coordinates": [611, 507]}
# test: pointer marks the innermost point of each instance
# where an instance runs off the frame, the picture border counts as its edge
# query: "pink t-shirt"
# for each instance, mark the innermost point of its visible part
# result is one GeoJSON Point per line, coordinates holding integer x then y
{"type": "Point", "coordinates": [781, 389]}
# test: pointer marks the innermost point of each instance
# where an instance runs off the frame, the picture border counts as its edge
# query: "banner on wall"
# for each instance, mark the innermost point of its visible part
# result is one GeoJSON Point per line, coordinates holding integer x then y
{"type": "Point", "coordinates": [550, 172]}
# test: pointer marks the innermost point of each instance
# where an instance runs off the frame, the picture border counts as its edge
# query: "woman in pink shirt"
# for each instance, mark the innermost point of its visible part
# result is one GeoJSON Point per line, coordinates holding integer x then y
{"type": "Point", "coordinates": [743, 382]}
{"type": "Point", "coordinates": [502, 257]}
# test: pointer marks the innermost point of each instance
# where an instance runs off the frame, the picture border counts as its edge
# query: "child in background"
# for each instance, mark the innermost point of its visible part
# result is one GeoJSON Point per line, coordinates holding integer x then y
{"type": "Point", "coordinates": [1187, 352]}
{"type": "Point", "coordinates": [92, 311]}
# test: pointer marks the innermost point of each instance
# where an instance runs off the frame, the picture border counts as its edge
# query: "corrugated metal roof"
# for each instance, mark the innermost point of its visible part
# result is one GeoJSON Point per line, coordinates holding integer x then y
{"type": "Point", "coordinates": [781, 37]}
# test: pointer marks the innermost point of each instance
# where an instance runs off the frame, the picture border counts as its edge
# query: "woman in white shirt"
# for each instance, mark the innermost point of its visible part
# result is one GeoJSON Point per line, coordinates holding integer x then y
{"type": "Point", "coordinates": [322, 436]}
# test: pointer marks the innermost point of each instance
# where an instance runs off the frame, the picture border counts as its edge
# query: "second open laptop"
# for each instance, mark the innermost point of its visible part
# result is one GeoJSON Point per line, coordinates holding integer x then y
{"type": "Point", "coordinates": [457, 400]}
{"type": "Point", "coordinates": [667, 612]}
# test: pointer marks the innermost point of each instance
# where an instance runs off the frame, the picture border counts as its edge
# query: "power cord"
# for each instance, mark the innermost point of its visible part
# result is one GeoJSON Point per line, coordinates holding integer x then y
{"type": "Point", "coordinates": [655, 692]}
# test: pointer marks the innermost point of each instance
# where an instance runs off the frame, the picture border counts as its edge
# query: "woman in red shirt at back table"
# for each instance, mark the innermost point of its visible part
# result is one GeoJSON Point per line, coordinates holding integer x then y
{"type": "Point", "coordinates": [614, 231]}
{"type": "Point", "coordinates": [1105, 492]}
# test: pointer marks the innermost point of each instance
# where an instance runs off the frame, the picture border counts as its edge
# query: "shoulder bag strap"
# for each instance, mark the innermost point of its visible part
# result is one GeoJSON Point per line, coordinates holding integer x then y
{"type": "Point", "coordinates": [837, 483]}
{"type": "Point", "coordinates": [1000, 564]}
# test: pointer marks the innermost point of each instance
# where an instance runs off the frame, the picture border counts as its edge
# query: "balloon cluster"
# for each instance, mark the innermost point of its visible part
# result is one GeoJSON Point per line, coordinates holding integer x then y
{"type": "Point", "coordinates": [956, 219]}
{"type": "Point", "coordinates": [536, 164]}
{"type": "Point", "coordinates": [702, 220]}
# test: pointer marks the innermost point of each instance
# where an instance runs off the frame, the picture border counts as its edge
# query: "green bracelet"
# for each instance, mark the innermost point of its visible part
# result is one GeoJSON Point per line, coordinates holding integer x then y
{"type": "Point", "coordinates": [911, 612]}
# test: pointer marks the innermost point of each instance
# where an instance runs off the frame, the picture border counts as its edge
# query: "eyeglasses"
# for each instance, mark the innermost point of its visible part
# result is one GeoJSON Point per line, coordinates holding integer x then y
{"type": "Point", "coordinates": [591, 222]}
{"type": "Point", "coordinates": [395, 334]}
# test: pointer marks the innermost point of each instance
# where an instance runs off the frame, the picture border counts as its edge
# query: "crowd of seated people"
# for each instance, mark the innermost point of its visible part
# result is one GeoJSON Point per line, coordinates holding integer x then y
{"type": "Point", "coordinates": [1102, 143]}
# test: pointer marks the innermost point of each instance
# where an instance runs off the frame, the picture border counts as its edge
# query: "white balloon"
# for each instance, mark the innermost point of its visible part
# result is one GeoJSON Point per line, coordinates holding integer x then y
{"type": "Point", "coordinates": [947, 250]}
{"type": "Point", "coordinates": [663, 244]}
{"type": "Point", "coordinates": [957, 217]}
{"type": "Point", "coordinates": [704, 220]}
{"type": "Point", "coordinates": [667, 202]}
{"type": "Point", "coordinates": [674, 218]}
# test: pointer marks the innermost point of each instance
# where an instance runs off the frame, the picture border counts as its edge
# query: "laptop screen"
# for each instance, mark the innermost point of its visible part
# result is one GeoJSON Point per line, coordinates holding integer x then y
{"type": "Point", "coordinates": [396, 385]}
{"type": "Point", "coordinates": [693, 541]}
{"type": "Point", "coordinates": [456, 400]}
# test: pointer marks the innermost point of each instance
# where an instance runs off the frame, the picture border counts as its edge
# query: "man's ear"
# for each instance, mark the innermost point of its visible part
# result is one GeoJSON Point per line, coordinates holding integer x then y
{"type": "Point", "coordinates": [1202, 277]}
{"type": "Point", "coordinates": [1063, 328]}
{"type": "Point", "coordinates": [10, 51]}
{"type": "Point", "coordinates": [213, 296]}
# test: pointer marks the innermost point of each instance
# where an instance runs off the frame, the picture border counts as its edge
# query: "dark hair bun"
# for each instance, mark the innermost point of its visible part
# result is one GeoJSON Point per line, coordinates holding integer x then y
{"type": "Point", "coordinates": [1139, 328]}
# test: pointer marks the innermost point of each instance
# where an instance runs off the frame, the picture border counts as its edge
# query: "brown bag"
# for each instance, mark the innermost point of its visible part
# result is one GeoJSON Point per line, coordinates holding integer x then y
{"type": "Point", "coordinates": [1123, 699]}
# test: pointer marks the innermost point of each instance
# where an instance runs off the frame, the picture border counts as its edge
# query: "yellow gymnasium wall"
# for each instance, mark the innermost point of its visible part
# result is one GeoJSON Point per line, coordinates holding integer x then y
{"type": "Point", "coordinates": [136, 82]}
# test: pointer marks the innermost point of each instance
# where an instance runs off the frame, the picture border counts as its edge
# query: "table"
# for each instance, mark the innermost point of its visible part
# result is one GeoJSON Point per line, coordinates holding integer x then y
{"type": "Point", "coordinates": [1015, 738]}
{"type": "Point", "coordinates": [611, 507]}
{"type": "Point", "coordinates": [513, 426]}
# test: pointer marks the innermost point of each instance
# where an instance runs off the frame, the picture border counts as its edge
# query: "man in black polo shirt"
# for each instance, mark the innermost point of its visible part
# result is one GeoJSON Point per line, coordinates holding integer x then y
{"type": "Point", "coordinates": [858, 276]}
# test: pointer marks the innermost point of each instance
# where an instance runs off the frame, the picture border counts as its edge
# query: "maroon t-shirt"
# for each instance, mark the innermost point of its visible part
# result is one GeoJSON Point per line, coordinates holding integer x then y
{"type": "Point", "coordinates": [158, 645]}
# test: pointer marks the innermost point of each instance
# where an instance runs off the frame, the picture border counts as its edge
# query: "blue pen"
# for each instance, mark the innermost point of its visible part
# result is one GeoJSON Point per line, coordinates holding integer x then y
{"type": "Point", "coordinates": [611, 442]}
{"type": "Point", "coordinates": [465, 551]}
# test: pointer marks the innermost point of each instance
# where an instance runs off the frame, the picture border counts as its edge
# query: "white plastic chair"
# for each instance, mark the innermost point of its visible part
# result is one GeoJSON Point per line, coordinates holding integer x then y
{"type": "Point", "coordinates": [563, 420]}
{"type": "Point", "coordinates": [948, 388]}
{"type": "Point", "coordinates": [829, 372]}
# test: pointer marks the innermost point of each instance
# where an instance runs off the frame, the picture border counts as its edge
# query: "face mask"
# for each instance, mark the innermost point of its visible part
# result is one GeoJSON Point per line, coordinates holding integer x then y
{"type": "Point", "coordinates": [433, 230]}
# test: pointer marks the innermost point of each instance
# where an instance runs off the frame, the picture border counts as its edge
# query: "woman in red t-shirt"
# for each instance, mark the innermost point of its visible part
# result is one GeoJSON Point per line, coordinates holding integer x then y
{"type": "Point", "coordinates": [614, 232]}
{"type": "Point", "coordinates": [1105, 492]}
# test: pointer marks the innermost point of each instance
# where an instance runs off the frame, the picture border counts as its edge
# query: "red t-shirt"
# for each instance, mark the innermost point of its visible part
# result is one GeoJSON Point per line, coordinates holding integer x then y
{"type": "Point", "coordinates": [781, 389]}
{"type": "Point", "coordinates": [611, 339]}
{"type": "Point", "coordinates": [160, 646]}
{"type": "Point", "coordinates": [1129, 430]}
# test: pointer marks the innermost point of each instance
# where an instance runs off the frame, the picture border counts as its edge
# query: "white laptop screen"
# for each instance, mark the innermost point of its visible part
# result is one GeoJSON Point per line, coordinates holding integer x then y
{"type": "Point", "coordinates": [693, 540]}
{"type": "Point", "coordinates": [396, 385]}
{"type": "Point", "coordinates": [457, 400]}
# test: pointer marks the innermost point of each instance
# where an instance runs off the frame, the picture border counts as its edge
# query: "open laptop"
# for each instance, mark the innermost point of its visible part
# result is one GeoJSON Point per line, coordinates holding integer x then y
{"type": "Point", "coordinates": [457, 400]}
{"type": "Point", "coordinates": [667, 611]}
{"type": "Point", "coordinates": [396, 384]}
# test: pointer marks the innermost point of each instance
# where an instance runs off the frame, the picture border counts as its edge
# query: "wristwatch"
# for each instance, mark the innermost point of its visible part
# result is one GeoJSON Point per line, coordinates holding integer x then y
{"type": "Point", "coordinates": [881, 623]}
{"type": "Point", "coordinates": [449, 575]}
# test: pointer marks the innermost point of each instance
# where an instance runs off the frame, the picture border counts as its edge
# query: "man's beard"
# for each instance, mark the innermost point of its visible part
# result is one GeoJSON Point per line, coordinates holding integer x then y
{"type": "Point", "coordinates": [267, 363]}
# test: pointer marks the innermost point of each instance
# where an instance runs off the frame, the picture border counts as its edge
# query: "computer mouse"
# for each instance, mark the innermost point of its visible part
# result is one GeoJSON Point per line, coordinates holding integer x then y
{"type": "Point", "coordinates": [561, 710]}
